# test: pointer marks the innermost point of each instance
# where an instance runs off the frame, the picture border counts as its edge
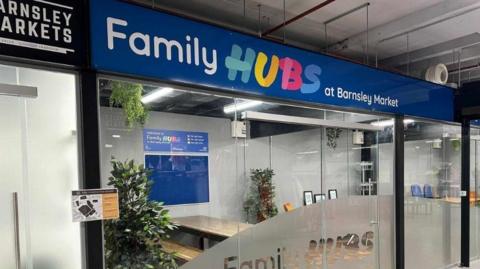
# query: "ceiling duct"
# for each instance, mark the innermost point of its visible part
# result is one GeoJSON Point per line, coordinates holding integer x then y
{"type": "Point", "coordinates": [437, 74]}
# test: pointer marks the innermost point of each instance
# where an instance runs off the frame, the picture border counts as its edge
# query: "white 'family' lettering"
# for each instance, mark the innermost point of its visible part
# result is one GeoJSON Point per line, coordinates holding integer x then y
{"type": "Point", "coordinates": [160, 47]}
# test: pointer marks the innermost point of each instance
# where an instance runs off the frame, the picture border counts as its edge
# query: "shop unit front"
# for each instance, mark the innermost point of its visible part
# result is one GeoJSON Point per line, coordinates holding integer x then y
{"type": "Point", "coordinates": [265, 156]}
{"type": "Point", "coordinates": [41, 42]}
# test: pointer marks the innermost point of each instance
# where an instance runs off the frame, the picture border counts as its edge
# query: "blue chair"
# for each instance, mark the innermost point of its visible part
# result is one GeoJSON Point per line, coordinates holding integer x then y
{"type": "Point", "coordinates": [416, 191]}
{"type": "Point", "coordinates": [428, 191]}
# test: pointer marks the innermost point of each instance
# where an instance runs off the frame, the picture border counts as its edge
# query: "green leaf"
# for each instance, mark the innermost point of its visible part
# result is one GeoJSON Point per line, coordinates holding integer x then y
{"type": "Point", "coordinates": [129, 241]}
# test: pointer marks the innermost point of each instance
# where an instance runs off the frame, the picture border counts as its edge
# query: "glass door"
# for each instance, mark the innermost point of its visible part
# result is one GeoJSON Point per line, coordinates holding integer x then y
{"type": "Point", "coordinates": [12, 176]}
{"type": "Point", "coordinates": [352, 218]}
{"type": "Point", "coordinates": [474, 193]}
{"type": "Point", "coordinates": [38, 169]}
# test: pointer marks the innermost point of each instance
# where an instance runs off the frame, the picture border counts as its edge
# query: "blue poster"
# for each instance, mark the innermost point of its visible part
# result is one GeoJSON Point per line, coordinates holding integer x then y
{"type": "Point", "coordinates": [178, 179]}
{"type": "Point", "coordinates": [174, 141]}
{"type": "Point", "coordinates": [142, 42]}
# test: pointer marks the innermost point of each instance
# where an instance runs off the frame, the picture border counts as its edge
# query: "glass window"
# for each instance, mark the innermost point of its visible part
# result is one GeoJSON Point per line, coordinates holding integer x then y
{"type": "Point", "coordinates": [474, 192]}
{"type": "Point", "coordinates": [432, 194]}
{"type": "Point", "coordinates": [248, 179]}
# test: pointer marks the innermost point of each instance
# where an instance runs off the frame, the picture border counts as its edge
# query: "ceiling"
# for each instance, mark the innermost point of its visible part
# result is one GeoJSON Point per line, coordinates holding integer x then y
{"type": "Point", "coordinates": [406, 36]}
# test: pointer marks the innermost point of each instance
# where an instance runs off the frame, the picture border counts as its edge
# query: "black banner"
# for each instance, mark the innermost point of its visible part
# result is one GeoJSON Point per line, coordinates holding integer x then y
{"type": "Point", "coordinates": [45, 30]}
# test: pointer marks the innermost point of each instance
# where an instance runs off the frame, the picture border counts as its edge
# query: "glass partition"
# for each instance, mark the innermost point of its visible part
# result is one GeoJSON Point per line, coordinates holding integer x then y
{"type": "Point", "coordinates": [432, 194]}
{"type": "Point", "coordinates": [474, 193]}
{"type": "Point", "coordinates": [249, 183]}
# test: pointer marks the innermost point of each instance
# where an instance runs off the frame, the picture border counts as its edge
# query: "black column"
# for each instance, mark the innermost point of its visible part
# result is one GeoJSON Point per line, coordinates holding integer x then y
{"type": "Point", "coordinates": [465, 207]}
{"type": "Point", "coordinates": [91, 164]}
{"type": "Point", "coordinates": [399, 139]}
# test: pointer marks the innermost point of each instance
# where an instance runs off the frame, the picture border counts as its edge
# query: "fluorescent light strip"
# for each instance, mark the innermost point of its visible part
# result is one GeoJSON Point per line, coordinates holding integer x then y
{"type": "Point", "coordinates": [157, 94]}
{"type": "Point", "coordinates": [385, 123]}
{"type": "Point", "coordinates": [241, 106]}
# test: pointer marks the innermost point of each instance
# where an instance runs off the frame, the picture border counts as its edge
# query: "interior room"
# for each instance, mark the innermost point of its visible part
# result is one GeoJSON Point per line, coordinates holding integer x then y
{"type": "Point", "coordinates": [305, 155]}
{"type": "Point", "coordinates": [297, 143]}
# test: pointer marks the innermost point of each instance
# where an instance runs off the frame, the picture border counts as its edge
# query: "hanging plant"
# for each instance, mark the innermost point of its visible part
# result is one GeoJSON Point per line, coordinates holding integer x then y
{"type": "Point", "coordinates": [332, 135]}
{"type": "Point", "coordinates": [260, 204]}
{"type": "Point", "coordinates": [129, 97]}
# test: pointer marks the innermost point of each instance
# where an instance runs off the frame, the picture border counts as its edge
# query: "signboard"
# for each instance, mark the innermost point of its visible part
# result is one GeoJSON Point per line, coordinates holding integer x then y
{"type": "Point", "coordinates": [138, 41]}
{"type": "Point", "coordinates": [175, 141]}
{"type": "Point", "coordinates": [99, 204]}
{"type": "Point", "coordinates": [45, 30]}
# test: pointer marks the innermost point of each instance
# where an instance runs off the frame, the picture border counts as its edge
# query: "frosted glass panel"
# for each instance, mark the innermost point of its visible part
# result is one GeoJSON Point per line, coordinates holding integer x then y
{"type": "Point", "coordinates": [52, 169]}
{"type": "Point", "coordinates": [10, 174]}
{"type": "Point", "coordinates": [39, 161]}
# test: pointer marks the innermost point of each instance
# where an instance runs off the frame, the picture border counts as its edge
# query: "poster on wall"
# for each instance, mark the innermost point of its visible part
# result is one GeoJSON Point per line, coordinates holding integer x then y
{"type": "Point", "coordinates": [174, 141]}
{"type": "Point", "coordinates": [178, 179]}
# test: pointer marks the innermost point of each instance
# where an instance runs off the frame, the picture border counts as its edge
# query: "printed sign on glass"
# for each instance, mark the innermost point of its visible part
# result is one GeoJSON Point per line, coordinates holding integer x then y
{"type": "Point", "coordinates": [96, 204]}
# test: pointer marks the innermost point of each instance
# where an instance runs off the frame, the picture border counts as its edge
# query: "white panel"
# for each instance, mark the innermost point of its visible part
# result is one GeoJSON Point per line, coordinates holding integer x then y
{"type": "Point", "coordinates": [10, 174]}
{"type": "Point", "coordinates": [52, 150]}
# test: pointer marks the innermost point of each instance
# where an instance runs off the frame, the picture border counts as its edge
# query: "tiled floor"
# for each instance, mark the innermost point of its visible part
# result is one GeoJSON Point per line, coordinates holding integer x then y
{"type": "Point", "coordinates": [474, 265]}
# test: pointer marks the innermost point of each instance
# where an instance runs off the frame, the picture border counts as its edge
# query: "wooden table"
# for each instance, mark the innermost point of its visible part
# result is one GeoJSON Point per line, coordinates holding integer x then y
{"type": "Point", "coordinates": [210, 228]}
{"type": "Point", "coordinates": [458, 200]}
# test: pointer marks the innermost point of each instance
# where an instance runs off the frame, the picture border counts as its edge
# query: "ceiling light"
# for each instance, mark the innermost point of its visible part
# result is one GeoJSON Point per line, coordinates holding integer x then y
{"type": "Point", "coordinates": [241, 106]}
{"type": "Point", "coordinates": [116, 136]}
{"type": "Point", "coordinates": [385, 123]}
{"type": "Point", "coordinates": [157, 94]}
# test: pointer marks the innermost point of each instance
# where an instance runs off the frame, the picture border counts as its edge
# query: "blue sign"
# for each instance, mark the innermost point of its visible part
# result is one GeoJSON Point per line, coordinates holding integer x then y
{"type": "Point", "coordinates": [138, 41]}
{"type": "Point", "coordinates": [174, 141]}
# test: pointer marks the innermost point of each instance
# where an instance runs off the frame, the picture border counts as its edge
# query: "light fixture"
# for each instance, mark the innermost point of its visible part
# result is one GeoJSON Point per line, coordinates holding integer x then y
{"type": "Point", "coordinates": [156, 94]}
{"type": "Point", "coordinates": [240, 106]}
{"type": "Point", "coordinates": [116, 136]}
{"type": "Point", "coordinates": [385, 123]}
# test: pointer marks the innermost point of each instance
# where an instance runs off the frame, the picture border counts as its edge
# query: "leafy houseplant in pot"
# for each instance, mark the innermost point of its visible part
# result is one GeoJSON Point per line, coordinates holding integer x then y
{"type": "Point", "coordinates": [133, 240]}
{"type": "Point", "coordinates": [260, 204]}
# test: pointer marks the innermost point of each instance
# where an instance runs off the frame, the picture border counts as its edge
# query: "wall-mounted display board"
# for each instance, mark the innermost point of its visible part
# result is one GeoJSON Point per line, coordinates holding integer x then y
{"type": "Point", "coordinates": [138, 41]}
{"type": "Point", "coordinates": [178, 179]}
{"type": "Point", "coordinates": [45, 30]}
{"type": "Point", "coordinates": [95, 204]}
{"type": "Point", "coordinates": [174, 141]}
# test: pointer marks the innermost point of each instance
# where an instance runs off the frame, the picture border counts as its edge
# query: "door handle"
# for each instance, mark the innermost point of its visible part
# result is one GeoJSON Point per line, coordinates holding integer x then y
{"type": "Point", "coordinates": [373, 222]}
{"type": "Point", "coordinates": [18, 258]}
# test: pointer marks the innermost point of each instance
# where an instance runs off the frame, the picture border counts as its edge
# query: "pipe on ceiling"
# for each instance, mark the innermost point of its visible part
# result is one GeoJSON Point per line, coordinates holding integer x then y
{"type": "Point", "coordinates": [299, 16]}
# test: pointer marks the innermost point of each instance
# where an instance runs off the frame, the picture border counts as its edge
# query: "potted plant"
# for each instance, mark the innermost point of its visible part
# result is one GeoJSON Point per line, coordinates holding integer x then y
{"type": "Point", "coordinates": [129, 97]}
{"type": "Point", "coordinates": [260, 204]}
{"type": "Point", "coordinates": [133, 240]}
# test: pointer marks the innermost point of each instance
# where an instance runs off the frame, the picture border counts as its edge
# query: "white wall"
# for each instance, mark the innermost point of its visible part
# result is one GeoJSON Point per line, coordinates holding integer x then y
{"type": "Point", "coordinates": [296, 161]}
{"type": "Point", "coordinates": [225, 199]}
